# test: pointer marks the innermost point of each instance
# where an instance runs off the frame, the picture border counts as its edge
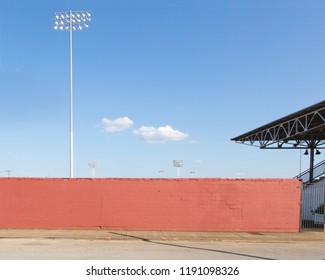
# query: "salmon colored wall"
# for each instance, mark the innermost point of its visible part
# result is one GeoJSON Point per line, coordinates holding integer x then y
{"type": "Point", "coordinates": [151, 204]}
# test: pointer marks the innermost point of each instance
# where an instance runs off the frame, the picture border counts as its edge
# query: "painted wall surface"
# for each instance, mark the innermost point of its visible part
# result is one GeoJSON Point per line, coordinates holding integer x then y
{"type": "Point", "coordinates": [151, 204]}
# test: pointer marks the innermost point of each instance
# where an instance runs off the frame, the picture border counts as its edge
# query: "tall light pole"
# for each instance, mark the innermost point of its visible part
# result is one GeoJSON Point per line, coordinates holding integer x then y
{"type": "Point", "coordinates": [70, 21]}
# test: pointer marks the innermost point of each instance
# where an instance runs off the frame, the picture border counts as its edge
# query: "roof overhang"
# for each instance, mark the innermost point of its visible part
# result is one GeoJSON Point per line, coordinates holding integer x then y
{"type": "Point", "coordinates": [300, 130]}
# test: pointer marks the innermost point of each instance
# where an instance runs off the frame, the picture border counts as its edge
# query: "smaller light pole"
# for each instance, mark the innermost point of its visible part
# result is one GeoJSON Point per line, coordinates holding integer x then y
{"type": "Point", "coordinates": [161, 172]}
{"type": "Point", "coordinates": [8, 172]}
{"type": "Point", "coordinates": [178, 164]}
{"type": "Point", "coordinates": [93, 166]}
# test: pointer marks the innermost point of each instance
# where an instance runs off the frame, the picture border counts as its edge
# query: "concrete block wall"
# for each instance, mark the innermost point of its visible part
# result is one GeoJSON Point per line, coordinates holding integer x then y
{"type": "Point", "coordinates": [151, 204]}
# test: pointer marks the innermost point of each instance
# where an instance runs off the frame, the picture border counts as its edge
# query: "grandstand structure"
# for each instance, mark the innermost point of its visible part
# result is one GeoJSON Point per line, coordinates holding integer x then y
{"type": "Point", "coordinates": [304, 129]}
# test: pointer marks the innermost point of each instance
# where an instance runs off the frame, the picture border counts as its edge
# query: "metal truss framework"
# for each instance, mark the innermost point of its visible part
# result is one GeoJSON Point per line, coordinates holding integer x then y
{"type": "Point", "coordinates": [304, 129]}
{"type": "Point", "coordinates": [301, 130]}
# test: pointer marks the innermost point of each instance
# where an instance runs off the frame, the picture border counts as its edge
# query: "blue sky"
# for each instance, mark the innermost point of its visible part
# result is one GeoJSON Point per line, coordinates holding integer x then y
{"type": "Point", "coordinates": [156, 81]}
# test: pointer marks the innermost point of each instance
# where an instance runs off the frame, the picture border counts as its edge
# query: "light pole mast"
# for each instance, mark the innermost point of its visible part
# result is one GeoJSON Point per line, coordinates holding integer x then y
{"type": "Point", "coordinates": [71, 99]}
{"type": "Point", "coordinates": [71, 21]}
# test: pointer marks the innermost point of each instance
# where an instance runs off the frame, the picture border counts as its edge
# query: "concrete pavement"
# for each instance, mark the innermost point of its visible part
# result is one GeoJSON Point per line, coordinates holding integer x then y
{"type": "Point", "coordinates": [96, 244]}
{"type": "Point", "coordinates": [197, 236]}
{"type": "Point", "coordinates": [71, 249]}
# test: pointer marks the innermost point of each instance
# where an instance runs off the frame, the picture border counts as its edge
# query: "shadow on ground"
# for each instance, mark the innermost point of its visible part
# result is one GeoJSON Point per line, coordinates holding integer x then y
{"type": "Point", "coordinates": [189, 247]}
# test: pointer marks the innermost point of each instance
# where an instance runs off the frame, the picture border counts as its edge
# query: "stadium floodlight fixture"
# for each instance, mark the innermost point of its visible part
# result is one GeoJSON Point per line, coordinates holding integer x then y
{"type": "Point", "coordinates": [71, 21]}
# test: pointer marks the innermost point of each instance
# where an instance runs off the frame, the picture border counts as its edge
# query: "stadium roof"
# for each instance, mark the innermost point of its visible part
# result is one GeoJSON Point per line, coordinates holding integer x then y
{"type": "Point", "coordinates": [304, 129]}
{"type": "Point", "coordinates": [301, 130]}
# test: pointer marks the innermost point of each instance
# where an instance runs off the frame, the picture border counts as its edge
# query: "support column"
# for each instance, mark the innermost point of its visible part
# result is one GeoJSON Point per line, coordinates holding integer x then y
{"type": "Point", "coordinates": [311, 162]}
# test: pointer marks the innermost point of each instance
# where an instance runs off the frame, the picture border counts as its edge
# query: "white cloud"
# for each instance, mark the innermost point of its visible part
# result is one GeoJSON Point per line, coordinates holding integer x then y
{"type": "Point", "coordinates": [159, 135]}
{"type": "Point", "coordinates": [116, 125]}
